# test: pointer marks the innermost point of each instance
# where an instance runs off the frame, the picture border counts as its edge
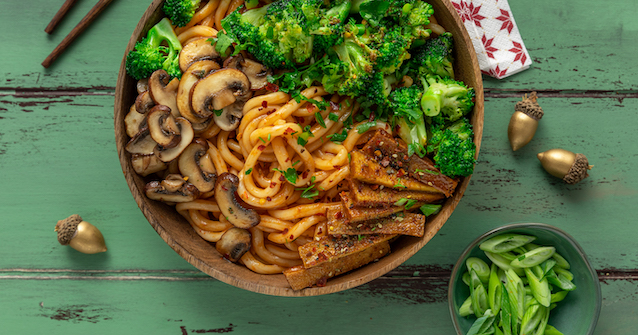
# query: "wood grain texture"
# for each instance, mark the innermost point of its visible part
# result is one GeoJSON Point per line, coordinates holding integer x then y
{"type": "Point", "coordinates": [58, 157]}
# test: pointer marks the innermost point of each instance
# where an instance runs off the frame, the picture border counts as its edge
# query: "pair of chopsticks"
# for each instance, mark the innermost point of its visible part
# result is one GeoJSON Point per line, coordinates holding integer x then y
{"type": "Point", "coordinates": [85, 22]}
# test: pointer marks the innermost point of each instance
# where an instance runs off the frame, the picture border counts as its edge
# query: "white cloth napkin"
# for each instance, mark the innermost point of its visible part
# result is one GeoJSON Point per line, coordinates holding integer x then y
{"type": "Point", "coordinates": [497, 41]}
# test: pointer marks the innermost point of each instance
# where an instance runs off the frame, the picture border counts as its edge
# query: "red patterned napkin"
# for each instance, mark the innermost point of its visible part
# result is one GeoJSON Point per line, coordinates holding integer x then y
{"type": "Point", "coordinates": [498, 44]}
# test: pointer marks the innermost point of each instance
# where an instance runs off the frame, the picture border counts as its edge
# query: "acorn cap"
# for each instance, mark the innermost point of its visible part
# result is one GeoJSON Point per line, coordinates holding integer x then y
{"type": "Point", "coordinates": [67, 228]}
{"type": "Point", "coordinates": [578, 171]}
{"type": "Point", "coordinates": [530, 107]}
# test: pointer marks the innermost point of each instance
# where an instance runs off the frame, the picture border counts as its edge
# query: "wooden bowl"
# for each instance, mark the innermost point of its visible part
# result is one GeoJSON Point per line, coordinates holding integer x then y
{"type": "Point", "coordinates": [179, 235]}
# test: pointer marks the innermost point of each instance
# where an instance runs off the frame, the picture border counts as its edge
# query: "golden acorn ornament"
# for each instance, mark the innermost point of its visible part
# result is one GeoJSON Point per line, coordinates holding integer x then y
{"type": "Point", "coordinates": [566, 165]}
{"type": "Point", "coordinates": [80, 235]}
{"type": "Point", "coordinates": [524, 121]}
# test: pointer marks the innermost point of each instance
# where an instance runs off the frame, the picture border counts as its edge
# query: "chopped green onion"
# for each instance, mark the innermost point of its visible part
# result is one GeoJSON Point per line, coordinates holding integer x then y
{"type": "Point", "coordinates": [540, 287]}
{"type": "Point", "coordinates": [466, 307]}
{"type": "Point", "coordinates": [249, 171]}
{"type": "Point", "coordinates": [480, 267]}
{"type": "Point", "coordinates": [532, 318]}
{"type": "Point", "coordinates": [320, 120]}
{"type": "Point", "coordinates": [478, 294]}
{"type": "Point", "coordinates": [540, 330]}
{"type": "Point", "coordinates": [481, 324]}
{"type": "Point", "coordinates": [333, 117]}
{"type": "Point", "coordinates": [516, 292]}
{"type": "Point", "coordinates": [430, 209]}
{"type": "Point", "coordinates": [561, 261]}
{"type": "Point", "coordinates": [505, 242]}
{"type": "Point", "coordinates": [362, 128]}
{"type": "Point", "coordinates": [558, 296]}
{"type": "Point", "coordinates": [549, 330]}
{"type": "Point", "coordinates": [290, 174]}
{"type": "Point", "coordinates": [494, 290]}
{"type": "Point", "coordinates": [533, 257]}
{"type": "Point", "coordinates": [506, 313]}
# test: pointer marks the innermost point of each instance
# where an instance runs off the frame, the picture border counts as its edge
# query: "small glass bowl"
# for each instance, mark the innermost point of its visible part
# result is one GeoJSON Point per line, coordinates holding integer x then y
{"type": "Point", "coordinates": [577, 314]}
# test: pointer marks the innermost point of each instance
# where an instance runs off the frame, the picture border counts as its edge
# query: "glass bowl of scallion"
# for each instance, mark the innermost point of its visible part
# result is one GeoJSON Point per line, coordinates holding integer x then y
{"type": "Point", "coordinates": [524, 278]}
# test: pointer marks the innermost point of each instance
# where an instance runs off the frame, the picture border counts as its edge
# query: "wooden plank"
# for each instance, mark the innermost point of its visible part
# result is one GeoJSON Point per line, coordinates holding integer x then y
{"type": "Point", "coordinates": [200, 305]}
{"type": "Point", "coordinates": [41, 137]}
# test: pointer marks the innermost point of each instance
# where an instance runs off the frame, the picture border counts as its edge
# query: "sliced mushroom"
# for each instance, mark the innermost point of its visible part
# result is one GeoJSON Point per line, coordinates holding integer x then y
{"type": "Point", "coordinates": [194, 73]}
{"type": "Point", "coordinates": [230, 117]}
{"type": "Point", "coordinates": [172, 189]}
{"type": "Point", "coordinates": [218, 90]}
{"type": "Point", "coordinates": [186, 136]}
{"type": "Point", "coordinates": [147, 164]}
{"type": "Point", "coordinates": [163, 127]}
{"type": "Point", "coordinates": [256, 72]}
{"type": "Point", "coordinates": [234, 243]}
{"type": "Point", "coordinates": [196, 50]}
{"type": "Point", "coordinates": [134, 121]}
{"type": "Point", "coordinates": [163, 90]}
{"type": "Point", "coordinates": [200, 172]}
{"type": "Point", "coordinates": [142, 85]}
{"type": "Point", "coordinates": [144, 102]}
{"type": "Point", "coordinates": [142, 143]}
{"type": "Point", "coordinates": [225, 190]}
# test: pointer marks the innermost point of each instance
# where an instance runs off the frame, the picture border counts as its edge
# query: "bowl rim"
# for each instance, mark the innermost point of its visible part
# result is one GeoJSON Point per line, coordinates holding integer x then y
{"type": "Point", "coordinates": [531, 225]}
{"type": "Point", "coordinates": [408, 246]}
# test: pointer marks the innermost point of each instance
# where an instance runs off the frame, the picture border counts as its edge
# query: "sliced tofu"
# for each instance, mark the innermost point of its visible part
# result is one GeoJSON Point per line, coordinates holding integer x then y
{"type": "Point", "coordinates": [361, 213]}
{"type": "Point", "coordinates": [372, 195]}
{"type": "Point", "coordinates": [365, 168]}
{"type": "Point", "coordinates": [390, 152]}
{"type": "Point", "coordinates": [299, 277]}
{"type": "Point", "coordinates": [331, 248]}
{"type": "Point", "coordinates": [401, 223]}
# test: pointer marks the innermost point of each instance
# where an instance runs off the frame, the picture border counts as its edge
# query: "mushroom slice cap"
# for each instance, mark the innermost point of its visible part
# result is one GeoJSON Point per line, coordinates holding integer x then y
{"type": "Point", "coordinates": [234, 243]}
{"type": "Point", "coordinates": [134, 121]}
{"type": "Point", "coordinates": [142, 85]}
{"type": "Point", "coordinates": [193, 166]}
{"type": "Point", "coordinates": [144, 102]}
{"type": "Point", "coordinates": [218, 90]}
{"type": "Point", "coordinates": [172, 189]}
{"type": "Point", "coordinates": [142, 143]}
{"type": "Point", "coordinates": [162, 126]}
{"type": "Point", "coordinates": [230, 117]}
{"type": "Point", "coordinates": [194, 73]}
{"type": "Point", "coordinates": [198, 49]}
{"type": "Point", "coordinates": [147, 164]}
{"type": "Point", "coordinates": [237, 215]}
{"type": "Point", "coordinates": [186, 136]}
{"type": "Point", "coordinates": [256, 72]}
{"type": "Point", "coordinates": [163, 90]}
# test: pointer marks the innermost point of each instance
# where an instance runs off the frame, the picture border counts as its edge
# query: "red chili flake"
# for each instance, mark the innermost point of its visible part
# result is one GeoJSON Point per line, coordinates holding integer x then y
{"type": "Point", "coordinates": [300, 119]}
{"type": "Point", "coordinates": [272, 87]}
{"type": "Point", "coordinates": [285, 231]}
{"type": "Point", "coordinates": [320, 214]}
{"type": "Point", "coordinates": [321, 282]}
{"type": "Point", "coordinates": [336, 166]}
{"type": "Point", "coordinates": [261, 147]}
{"type": "Point", "coordinates": [405, 157]}
{"type": "Point", "coordinates": [268, 198]}
{"type": "Point", "coordinates": [309, 254]}
{"type": "Point", "coordinates": [292, 237]}
{"type": "Point", "coordinates": [289, 131]}
{"type": "Point", "coordinates": [304, 175]}
{"type": "Point", "coordinates": [401, 173]}
{"type": "Point", "coordinates": [224, 188]}
{"type": "Point", "coordinates": [319, 230]}
{"type": "Point", "coordinates": [311, 108]}
{"type": "Point", "coordinates": [322, 257]}
{"type": "Point", "coordinates": [272, 185]}
{"type": "Point", "coordinates": [334, 105]}
{"type": "Point", "coordinates": [270, 112]}
{"type": "Point", "coordinates": [281, 178]}
{"type": "Point", "coordinates": [264, 104]}
{"type": "Point", "coordinates": [399, 163]}
{"type": "Point", "coordinates": [339, 215]}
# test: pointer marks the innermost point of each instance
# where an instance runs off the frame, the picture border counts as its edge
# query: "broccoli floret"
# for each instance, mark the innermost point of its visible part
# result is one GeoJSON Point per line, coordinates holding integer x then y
{"type": "Point", "coordinates": [404, 102]}
{"type": "Point", "coordinates": [150, 54]}
{"type": "Point", "coordinates": [329, 29]}
{"type": "Point", "coordinates": [434, 57]}
{"type": "Point", "coordinates": [453, 148]}
{"type": "Point", "coordinates": [450, 98]}
{"type": "Point", "coordinates": [180, 12]}
{"type": "Point", "coordinates": [277, 34]}
{"type": "Point", "coordinates": [243, 29]}
{"type": "Point", "coordinates": [392, 49]}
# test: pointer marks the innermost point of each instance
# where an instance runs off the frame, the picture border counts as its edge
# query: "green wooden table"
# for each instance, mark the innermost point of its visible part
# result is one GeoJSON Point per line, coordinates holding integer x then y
{"type": "Point", "coordinates": [58, 157]}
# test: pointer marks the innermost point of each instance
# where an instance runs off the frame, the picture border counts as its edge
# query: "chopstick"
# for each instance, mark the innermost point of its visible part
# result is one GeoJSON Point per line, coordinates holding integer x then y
{"type": "Point", "coordinates": [59, 15]}
{"type": "Point", "coordinates": [86, 21]}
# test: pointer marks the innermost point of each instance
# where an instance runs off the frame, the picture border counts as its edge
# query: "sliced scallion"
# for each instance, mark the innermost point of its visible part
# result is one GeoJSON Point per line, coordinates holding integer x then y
{"type": "Point", "coordinates": [505, 242]}
{"type": "Point", "coordinates": [533, 257]}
